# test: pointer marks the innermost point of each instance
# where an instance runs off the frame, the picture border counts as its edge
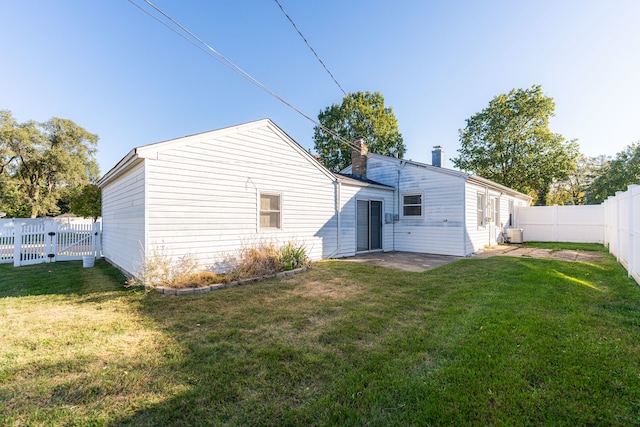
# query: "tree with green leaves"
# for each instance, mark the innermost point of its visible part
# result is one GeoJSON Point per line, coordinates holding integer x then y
{"type": "Point", "coordinates": [86, 201]}
{"type": "Point", "coordinates": [616, 174]}
{"type": "Point", "coordinates": [39, 162]}
{"type": "Point", "coordinates": [573, 190]}
{"type": "Point", "coordinates": [359, 114]}
{"type": "Point", "coordinates": [510, 143]}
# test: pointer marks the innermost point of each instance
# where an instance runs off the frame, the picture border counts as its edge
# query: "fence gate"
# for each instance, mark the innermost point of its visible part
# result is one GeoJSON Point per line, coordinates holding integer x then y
{"type": "Point", "coordinates": [50, 241]}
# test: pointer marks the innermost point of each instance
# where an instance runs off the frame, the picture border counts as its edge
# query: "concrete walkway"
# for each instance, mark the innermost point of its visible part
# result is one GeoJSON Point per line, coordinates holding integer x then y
{"type": "Point", "coordinates": [408, 261]}
{"type": "Point", "coordinates": [520, 251]}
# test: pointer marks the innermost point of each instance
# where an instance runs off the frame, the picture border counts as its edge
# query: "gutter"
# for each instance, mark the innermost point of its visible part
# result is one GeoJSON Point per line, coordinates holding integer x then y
{"type": "Point", "coordinates": [338, 209]}
{"type": "Point", "coordinates": [125, 163]}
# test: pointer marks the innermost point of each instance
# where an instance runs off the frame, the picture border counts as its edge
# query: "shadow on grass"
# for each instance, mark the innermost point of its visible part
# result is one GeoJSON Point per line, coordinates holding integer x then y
{"type": "Point", "coordinates": [59, 278]}
{"type": "Point", "coordinates": [482, 341]}
{"type": "Point", "coordinates": [478, 342]}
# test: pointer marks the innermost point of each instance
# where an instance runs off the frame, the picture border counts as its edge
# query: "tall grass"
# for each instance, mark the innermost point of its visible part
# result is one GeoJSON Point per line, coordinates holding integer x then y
{"type": "Point", "coordinates": [261, 259]}
{"type": "Point", "coordinates": [161, 268]}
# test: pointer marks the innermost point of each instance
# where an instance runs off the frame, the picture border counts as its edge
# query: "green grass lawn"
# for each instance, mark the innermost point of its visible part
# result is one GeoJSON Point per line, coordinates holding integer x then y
{"type": "Point", "coordinates": [497, 341]}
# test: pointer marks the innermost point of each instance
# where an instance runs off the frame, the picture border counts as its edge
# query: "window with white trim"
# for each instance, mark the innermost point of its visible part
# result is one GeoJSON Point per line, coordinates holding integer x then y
{"type": "Point", "coordinates": [481, 209]}
{"type": "Point", "coordinates": [412, 205]}
{"type": "Point", "coordinates": [270, 211]}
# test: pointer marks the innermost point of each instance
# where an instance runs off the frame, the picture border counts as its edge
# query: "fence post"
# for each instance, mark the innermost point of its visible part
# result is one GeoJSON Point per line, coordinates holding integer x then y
{"type": "Point", "coordinates": [50, 240]}
{"type": "Point", "coordinates": [631, 267]}
{"type": "Point", "coordinates": [555, 223]}
{"type": "Point", "coordinates": [95, 239]}
{"type": "Point", "coordinates": [618, 228]}
{"type": "Point", "coordinates": [17, 244]}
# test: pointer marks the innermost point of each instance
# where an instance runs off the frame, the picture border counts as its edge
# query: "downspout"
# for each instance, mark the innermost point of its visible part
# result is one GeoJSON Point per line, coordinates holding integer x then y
{"type": "Point", "coordinates": [487, 210]}
{"type": "Point", "coordinates": [397, 201]}
{"type": "Point", "coordinates": [464, 217]}
{"type": "Point", "coordinates": [338, 204]}
{"type": "Point", "coordinates": [396, 209]}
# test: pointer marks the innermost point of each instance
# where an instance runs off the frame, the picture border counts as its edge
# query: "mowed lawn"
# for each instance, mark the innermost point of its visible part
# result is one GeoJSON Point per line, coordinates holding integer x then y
{"type": "Point", "coordinates": [498, 341]}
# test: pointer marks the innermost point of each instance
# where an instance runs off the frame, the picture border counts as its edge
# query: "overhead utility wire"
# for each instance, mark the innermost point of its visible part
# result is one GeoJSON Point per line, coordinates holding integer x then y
{"type": "Point", "coordinates": [228, 63]}
{"type": "Point", "coordinates": [309, 45]}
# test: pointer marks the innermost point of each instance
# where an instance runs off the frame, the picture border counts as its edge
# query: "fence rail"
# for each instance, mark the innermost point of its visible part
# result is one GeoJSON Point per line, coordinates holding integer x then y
{"type": "Point", "coordinates": [615, 223]}
{"type": "Point", "coordinates": [25, 242]}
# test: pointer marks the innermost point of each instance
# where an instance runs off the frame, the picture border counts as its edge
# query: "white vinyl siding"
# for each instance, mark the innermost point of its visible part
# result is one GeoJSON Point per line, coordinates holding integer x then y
{"type": "Point", "coordinates": [493, 230]}
{"type": "Point", "coordinates": [440, 228]}
{"type": "Point", "coordinates": [204, 195]}
{"type": "Point", "coordinates": [123, 220]}
{"type": "Point", "coordinates": [454, 210]}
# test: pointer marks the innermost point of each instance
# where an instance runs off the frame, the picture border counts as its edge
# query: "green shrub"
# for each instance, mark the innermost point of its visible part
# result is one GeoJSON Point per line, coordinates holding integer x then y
{"type": "Point", "coordinates": [293, 255]}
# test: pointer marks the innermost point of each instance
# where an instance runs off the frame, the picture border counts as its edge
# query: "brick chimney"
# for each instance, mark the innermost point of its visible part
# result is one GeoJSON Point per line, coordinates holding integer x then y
{"type": "Point", "coordinates": [437, 156]}
{"type": "Point", "coordinates": [359, 157]}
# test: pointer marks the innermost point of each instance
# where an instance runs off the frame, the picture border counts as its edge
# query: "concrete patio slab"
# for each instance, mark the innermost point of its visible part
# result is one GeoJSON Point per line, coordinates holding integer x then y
{"type": "Point", "coordinates": [520, 251]}
{"type": "Point", "coordinates": [409, 261]}
{"type": "Point", "coordinates": [406, 261]}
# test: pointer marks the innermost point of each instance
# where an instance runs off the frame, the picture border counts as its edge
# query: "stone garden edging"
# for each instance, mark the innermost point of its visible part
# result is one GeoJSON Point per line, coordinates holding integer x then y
{"type": "Point", "coordinates": [217, 286]}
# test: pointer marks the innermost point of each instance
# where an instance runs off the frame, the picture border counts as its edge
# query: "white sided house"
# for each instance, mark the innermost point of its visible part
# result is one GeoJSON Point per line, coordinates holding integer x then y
{"type": "Point", "coordinates": [211, 194]}
{"type": "Point", "coordinates": [438, 210]}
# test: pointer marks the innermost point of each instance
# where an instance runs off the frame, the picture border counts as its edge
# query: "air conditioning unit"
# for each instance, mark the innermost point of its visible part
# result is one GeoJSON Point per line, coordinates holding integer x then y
{"type": "Point", "coordinates": [514, 235]}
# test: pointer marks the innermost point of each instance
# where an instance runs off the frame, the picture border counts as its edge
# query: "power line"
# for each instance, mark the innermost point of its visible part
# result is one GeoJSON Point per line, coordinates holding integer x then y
{"type": "Point", "coordinates": [309, 45]}
{"type": "Point", "coordinates": [207, 49]}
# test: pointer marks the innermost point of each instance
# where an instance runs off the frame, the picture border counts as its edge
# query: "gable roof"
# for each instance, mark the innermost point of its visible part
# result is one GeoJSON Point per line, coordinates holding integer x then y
{"type": "Point", "coordinates": [151, 151]}
{"type": "Point", "coordinates": [472, 178]}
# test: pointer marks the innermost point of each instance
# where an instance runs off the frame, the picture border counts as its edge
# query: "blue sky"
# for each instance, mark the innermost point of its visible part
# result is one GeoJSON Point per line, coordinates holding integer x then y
{"type": "Point", "coordinates": [122, 75]}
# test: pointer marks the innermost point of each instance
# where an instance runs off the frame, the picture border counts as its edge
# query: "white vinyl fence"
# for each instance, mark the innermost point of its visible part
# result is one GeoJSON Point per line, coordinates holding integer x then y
{"type": "Point", "coordinates": [622, 228]}
{"type": "Point", "coordinates": [34, 241]}
{"type": "Point", "coordinates": [584, 224]}
{"type": "Point", "coordinates": [615, 223]}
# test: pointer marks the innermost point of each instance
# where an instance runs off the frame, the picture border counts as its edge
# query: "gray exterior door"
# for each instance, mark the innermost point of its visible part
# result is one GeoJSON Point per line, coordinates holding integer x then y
{"type": "Point", "coordinates": [368, 225]}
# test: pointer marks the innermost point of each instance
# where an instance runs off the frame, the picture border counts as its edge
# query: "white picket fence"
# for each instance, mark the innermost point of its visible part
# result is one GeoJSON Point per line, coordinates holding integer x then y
{"type": "Point", "coordinates": [25, 242]}
{"type": "Point", "coordinates": [615, 223]}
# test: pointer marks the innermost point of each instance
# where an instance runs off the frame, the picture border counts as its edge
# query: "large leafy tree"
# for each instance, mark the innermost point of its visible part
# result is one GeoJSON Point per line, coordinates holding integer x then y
{"type": "Point", "coordinates": [573, 190]}
{"type": "Point", "coordinates": [39, 162]}
{"type": "Point", "coordinates": [510, 143]}
{"type": "Point", "coordinates": [359, 114]}
{"type": "Point", "coordinates": [616, 174]}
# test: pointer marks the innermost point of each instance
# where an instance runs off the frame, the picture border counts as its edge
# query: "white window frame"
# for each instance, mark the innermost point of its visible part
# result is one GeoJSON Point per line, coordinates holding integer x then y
{"type": "Point", "coordinates": [494, 210]}
{"type": "Point", "coordinates": [481, 215]}
{"type": "Point", "coordinates": [260, 211]}
{"type": "Point", "coordinates": [403, 195]}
